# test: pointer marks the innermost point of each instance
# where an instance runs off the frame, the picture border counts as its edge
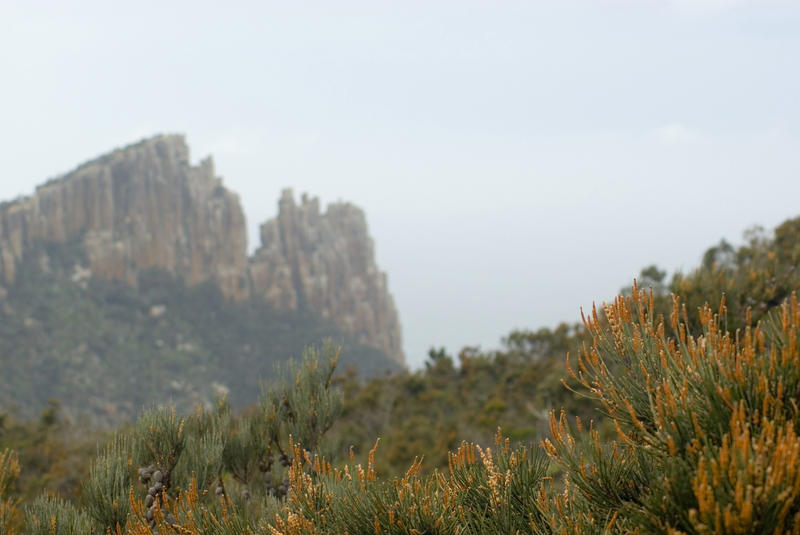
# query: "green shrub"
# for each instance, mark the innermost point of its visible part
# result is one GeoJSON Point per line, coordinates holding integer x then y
{"type": "Point", "coordinates": [677, 419]}
{"type": "Point", "coordinates": [9, 472]}
{"type": "Point", "coordinates": [107, 489]}
{"type": "Point", "coordinates": [54, 516]}
{"type": "Point", "coordinates": [707, 426]}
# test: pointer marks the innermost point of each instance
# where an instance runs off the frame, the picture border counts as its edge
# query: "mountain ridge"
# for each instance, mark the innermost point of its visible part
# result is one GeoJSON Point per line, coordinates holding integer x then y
{"type": "Point", "coordinates": [127, 282]}
{"type": "Point", "coordinates": [143, 206]}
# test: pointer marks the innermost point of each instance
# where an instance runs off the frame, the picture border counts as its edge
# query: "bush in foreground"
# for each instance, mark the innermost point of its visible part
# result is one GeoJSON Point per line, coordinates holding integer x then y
{"type": "Point", "coordinates": [705, 441]}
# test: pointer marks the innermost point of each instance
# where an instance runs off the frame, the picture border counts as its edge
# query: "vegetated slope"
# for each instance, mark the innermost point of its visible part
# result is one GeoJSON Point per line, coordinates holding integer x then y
{"type": "Point", "coordinates": [105, 349]}
{"type": "Point", "coordinates": [127, 282]}
{"type": "Point", "coordinates": [469, 395]}
{"type": "Point", "coordinates": [705, 439]}
{"type": "Point", "coordinates": [637, 475]}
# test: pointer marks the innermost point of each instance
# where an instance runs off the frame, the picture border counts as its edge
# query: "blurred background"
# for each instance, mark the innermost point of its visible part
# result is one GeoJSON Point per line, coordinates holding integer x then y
{"type": "Point", "coordinates": [515, 160]}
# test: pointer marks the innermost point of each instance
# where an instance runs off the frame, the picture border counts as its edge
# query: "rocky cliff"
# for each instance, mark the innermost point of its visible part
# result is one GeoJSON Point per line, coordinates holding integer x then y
{"type": "Point", "coordinates": [324, 262]}
{"type": "Point", "coordinates": [145, 206]}
{"type": "Point", "coordinates": [139, 207]}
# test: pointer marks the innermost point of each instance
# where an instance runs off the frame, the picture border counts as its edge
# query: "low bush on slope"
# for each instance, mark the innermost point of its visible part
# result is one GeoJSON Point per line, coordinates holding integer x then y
{"type": "Point", "coordinates": [706, 440]}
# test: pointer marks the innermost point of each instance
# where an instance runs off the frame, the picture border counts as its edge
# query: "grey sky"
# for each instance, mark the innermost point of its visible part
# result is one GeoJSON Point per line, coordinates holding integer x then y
{"type": "Point", "coordinates": [516, 160]}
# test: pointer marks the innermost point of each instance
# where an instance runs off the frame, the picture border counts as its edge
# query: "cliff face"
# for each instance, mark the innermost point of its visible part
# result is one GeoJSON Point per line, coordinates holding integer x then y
{"type": "Point", "coordinates": [324, 262]}
{"type": "Point", "coordinates": [145, 207]}
{"type": "Point", "coordinates": [140, 207]}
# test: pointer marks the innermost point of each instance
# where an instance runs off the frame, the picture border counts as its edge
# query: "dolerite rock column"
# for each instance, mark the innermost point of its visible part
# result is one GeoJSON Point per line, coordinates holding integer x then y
{"type": "Point", "coordinates": [324, 262]}
{"type": "Point", "coordinates": [140, 207]}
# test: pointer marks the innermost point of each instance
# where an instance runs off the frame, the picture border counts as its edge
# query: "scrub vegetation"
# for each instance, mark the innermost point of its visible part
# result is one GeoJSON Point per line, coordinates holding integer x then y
{"type": "Point", "coordinates": [670, 409]}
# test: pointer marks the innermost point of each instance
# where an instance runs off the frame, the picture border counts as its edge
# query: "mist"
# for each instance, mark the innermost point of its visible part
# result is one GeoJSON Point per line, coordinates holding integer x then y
{"type": "Point", "coordinates": [515, 161]}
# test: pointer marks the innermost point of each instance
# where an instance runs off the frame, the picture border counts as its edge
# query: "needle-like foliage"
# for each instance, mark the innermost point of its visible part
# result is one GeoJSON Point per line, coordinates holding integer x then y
{"type": "Point", "coordinates": [159, 440]}
{"type": "Point", "coordinates": [302, 402]}
{"type": "Point", "coordinates": [697, 433]}
{"type": "Point", "coordinates": [201, 459]}
{"type": "Point", "coordinates": [9, 472]}
{"type": "Point", "coordinates": [107, 488]}
{"type": "Point", "coordinates": [54, 516]}
{"type": "Point", "coordinates": [707, 427]}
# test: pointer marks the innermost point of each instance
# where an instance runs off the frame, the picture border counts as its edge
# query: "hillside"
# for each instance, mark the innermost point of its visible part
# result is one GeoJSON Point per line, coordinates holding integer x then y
{"type": "Point", "coordinates": [663, 388]}
{"type": "Point", "coordinates": [469, 395]}
{"type": "Point", "coordinates": [127, 282]}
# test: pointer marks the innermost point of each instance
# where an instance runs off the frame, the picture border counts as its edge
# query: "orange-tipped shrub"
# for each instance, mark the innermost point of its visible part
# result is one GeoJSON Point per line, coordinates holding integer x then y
{"type": "Point", "coordinates": [706, 427]}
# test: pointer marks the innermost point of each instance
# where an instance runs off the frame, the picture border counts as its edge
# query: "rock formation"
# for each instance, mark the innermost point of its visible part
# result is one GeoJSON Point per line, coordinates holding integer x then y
{"type": "Point", "coordinates": [324, 262]}
{"type": "Point", "coordinates": [139, 207]}
{"type": "Point", "coordinates": [145, 206]}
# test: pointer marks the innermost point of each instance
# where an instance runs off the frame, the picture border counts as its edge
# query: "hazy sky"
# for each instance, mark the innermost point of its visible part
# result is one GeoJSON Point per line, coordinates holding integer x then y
{"type": "Point", "coordinates": [516, 160]}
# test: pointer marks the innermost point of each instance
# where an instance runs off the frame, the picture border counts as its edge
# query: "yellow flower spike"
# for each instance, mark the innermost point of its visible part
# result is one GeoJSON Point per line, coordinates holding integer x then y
{"type": "Point", "coordinates": [738, 494]}
{"type": "Point", "coordinates": [634, 418]}
{"type": "Point", "coordinates": [621, 434]}
{"type": "Point", "coordinates": [371, 461]}
{"type": "Point", "coordinates": [498, 437]}
{"type": "Point", "coordinates": [554, 430]}
{"type": "Point", "coordinates": [549, 448]}
{"type": "Point", "coordinates": [673, 449]}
